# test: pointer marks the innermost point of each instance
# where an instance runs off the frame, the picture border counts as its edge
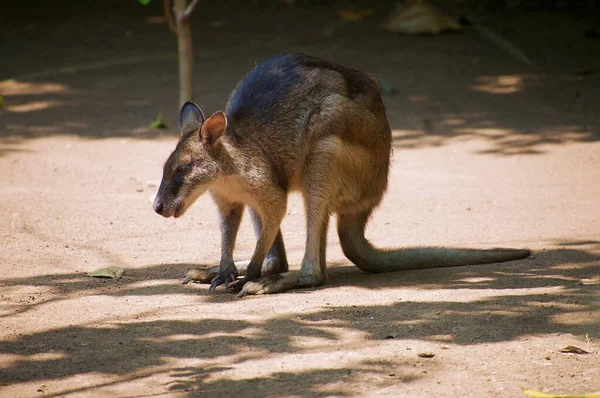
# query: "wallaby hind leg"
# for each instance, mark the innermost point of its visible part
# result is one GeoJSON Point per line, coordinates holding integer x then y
{"type": "Point", "coordinates": [314, 263]}
{"type": "Point", "coordinates": [276, 260]}
{"type": "Point", "coordinates": [271, 281]}
{"type": "Point", "coordinates": [313, 271]}
{"type": "Point", "coordinates": [271, 214]}
{"type": "Point", "coordinates": [316, 192]}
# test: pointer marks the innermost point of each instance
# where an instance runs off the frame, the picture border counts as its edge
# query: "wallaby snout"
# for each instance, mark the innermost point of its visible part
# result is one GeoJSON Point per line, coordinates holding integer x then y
{"type": "Point", "coordinates": [174, 209]}
{"type": "Point", "coordinates": [158, 206]}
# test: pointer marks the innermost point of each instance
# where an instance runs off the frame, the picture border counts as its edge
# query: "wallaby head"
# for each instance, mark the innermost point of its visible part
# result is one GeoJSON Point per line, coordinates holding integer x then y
{"type": "Point", "coordinates": [193, 165]}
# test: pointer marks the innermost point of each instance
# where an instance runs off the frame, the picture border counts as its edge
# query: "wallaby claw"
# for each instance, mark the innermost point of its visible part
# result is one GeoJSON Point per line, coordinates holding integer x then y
{"type": "Point", "coordinates": [224, 279]}
{"type": "Point", "coordinates": [237, 285]}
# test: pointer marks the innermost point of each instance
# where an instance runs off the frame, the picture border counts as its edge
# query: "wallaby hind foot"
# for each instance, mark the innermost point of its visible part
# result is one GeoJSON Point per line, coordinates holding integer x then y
{"type": "Point", "coordinates": [270, 284]}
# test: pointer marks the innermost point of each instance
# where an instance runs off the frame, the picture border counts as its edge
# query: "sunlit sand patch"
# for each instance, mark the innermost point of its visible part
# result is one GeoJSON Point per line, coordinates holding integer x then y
{"type": "Point", "coordinates": [476, 280]}
{"type": "Point", "coordinates": [10, 360]}
{"type": "Point", "coordinates": [507, 84]}
{"type": "Point", "coordinates": [320, 342]}
{"type": "Point", "coordinates": [15, 87]}
{"type": "Point", "coordinates": [251, 332]}
{"type": "Point", "coordinates": [576, 318]}
{"type": "Point", "coordinates": [33, 106]}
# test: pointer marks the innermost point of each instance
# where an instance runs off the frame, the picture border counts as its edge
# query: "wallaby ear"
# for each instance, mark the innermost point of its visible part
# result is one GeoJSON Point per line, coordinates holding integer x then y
{"type": "Point", "coordinates": [191, 117]}
{"type": "Point", "coordinates": [213, 128]}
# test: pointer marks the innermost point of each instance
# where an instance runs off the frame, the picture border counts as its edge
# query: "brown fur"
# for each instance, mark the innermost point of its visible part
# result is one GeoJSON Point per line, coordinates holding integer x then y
{"type": "Point", "coordinates": [296, 123]}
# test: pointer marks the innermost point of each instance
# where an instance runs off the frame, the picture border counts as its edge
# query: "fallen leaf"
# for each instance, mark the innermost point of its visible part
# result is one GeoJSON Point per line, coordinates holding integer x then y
{"type": "Point", "coordinates": [158, 123]}
{"type": "Point", "coordinates": [353, 16]}
{"type": "Point", "coordinates": [108, 272]}
{"type": "Point", "coordinates": [571, 349]}
{"type": "Point", "coordinates": [417, 17]}
{"type": "Point", "coordinates": [426, 354]}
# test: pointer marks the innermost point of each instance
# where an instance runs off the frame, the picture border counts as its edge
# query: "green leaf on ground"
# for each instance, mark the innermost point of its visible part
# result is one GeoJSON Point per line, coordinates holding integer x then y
{"type": "Point", "coordinates": [108, 272]}
{"type": "Point", "coordinates": [158, 123]}
{"type": "Point", "coordinates": [144, 2]}
{"type": "Point", "coordinates": [537, 394]}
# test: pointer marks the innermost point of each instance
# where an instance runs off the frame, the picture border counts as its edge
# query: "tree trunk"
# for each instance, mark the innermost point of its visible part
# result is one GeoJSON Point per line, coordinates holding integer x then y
{"type": "Point", "coordinates": [186, 53]}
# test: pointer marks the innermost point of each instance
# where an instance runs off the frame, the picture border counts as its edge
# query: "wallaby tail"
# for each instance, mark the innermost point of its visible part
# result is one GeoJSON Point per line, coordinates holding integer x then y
{"type": "Point", "coordinates": [360, 251]}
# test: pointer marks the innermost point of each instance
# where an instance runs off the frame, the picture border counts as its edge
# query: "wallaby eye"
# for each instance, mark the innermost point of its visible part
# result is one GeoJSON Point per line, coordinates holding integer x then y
{"type": "Point", "coordinates": [183, 168]}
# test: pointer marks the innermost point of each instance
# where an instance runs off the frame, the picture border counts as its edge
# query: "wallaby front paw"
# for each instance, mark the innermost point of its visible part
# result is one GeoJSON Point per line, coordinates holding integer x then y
{"type": "Point", "coordinates": [224, 278]}
{"type": "Point", "coordinates": [201, 275]}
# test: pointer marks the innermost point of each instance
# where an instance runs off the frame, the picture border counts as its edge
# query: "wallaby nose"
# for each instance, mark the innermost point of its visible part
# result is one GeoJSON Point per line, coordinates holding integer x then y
{"type": "Point", "coordinates": [158, 207]}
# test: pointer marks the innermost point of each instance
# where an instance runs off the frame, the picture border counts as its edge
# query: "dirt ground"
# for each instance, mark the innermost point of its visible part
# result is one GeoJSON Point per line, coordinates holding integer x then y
{"type": "Point", "coordinates": [488, 152]}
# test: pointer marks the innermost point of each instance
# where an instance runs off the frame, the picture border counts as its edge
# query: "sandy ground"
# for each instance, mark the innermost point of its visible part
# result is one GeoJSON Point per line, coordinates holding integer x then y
{"type": "Point", "coordinates": [488, 152]}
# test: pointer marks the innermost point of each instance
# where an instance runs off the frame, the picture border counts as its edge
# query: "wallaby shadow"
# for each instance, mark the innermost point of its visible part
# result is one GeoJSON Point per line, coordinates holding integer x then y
{"type": "Point", "coordinates": [522, 298]}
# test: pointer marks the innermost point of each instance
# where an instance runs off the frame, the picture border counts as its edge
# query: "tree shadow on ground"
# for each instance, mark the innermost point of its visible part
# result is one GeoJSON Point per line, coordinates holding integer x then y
{"type": "Point", "coordinates": [553, 293]}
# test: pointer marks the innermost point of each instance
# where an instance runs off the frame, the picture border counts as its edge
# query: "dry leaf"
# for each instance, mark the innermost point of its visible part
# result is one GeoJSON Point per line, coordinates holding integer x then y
{"type": "Point", "coordinates": [426, 354]}
{"type": "Point", "coordinates": [571, 349]}
{"type": "Point", "coordinates": [417, 17]}
{"type": "Point", "coordinates": [353, 16]}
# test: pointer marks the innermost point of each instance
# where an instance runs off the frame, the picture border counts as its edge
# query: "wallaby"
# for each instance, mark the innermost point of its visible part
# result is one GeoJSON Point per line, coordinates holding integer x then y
{"type": "Point", "coordinates": [295, 123]}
